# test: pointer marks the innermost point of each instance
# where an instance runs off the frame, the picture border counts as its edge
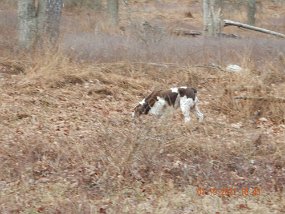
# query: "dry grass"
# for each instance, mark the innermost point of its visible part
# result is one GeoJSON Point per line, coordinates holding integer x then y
{"type": "Point", "coordinates": [69, 145]}
{"type": "Point", "coordinates": [73, 146]}
{"type": "Point", "coordinates": [260, 97]}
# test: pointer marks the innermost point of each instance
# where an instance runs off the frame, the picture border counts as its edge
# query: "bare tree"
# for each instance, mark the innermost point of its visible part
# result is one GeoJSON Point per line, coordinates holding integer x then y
{"type": "Point", "coordinates": [39, 21]}
{"type": "Point", "coordinates": [27, 26]}
{"type": "Point", "coordinates": [97, 5]}
{"type": "Point", "coordinates": [48, 19]}
{"type": "Point", "coordinates": [113, 11]}
{"type": "Point", "coordinates": [251, 10]}
{"type": "Point", "coordinates": [212, 17]}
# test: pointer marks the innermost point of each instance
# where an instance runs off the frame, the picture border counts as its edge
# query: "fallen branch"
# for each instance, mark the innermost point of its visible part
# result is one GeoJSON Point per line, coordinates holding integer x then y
{"type": "Point", "coordinates": [268, 99]}
{"type": "Point", "coordinates": [167, 65]}
{"type": "Point", "coordinates": [250, 27]}
{"type": "Point", "coordinates": [186, 32]}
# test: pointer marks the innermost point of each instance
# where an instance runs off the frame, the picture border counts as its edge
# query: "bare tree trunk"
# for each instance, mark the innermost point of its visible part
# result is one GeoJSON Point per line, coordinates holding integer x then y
{"type": "Point", "coordinates": [49, 15]}
{"type": "Point", "coordinates": [97, 5]}
{"type": "Point", "coordinates": [113, 11]}
{"type": "Point", "coordinates": [39, 21]}
{"type": "Point", "coordinates": [206, 14]}
{"type": "Point", "coordinates": [212, 17]}
{"type": "Point", "coordinates": [251, 10]}
{"type": "Point", "coordinates": [27, 26]}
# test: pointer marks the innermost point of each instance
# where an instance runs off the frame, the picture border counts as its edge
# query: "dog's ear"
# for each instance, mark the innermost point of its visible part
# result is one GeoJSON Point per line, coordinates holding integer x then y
{"type": "Point", "coordinates": [195, 90]}
{"type": "Point", "coordinates": [137, 111]}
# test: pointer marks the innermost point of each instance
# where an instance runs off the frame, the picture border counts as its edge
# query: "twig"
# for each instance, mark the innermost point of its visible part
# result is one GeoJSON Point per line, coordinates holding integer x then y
{"type": "Point", "coordinates": [268, 99]}
{"type": "Point", "coordinates": [167, 65]}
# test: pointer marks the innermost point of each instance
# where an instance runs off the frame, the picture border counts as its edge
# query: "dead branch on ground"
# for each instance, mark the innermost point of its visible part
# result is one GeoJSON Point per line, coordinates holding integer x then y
{"type": "Point", "coordinates": [250, 27]}
{"type": "Point", "coordinates": [267, 99]}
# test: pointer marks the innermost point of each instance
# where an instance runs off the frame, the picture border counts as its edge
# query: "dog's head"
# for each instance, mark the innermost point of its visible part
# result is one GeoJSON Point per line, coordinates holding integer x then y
{"type": "Point", "coordinates": [139, 110]}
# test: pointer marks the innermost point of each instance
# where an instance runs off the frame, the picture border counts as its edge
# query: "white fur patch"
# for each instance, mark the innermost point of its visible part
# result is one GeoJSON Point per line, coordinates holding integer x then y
{"type": "Point", "coordinates": [198, 113]}
{"type": "Point", "coordinates": [142, 102]}
{"type": "Point", "coordinates": [158, 106]}
{"type": "Point", "coordinates": [185, 105]}
{"type": "Point", "coordinates": [174, 90]}
{"type": "Point", "coordinates": [183, 87]}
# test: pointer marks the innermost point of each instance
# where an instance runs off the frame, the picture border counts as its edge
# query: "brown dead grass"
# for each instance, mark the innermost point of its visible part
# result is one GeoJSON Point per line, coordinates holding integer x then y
{"type": "Point", "coordinates": [73, 147]}
{"type": "Point", "coordinates": [69, 144]}
{"type": "Point", "coordinates": [261, 93]}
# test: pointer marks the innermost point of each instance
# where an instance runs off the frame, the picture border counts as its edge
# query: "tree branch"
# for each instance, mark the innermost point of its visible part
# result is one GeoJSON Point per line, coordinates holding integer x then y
{"type": "Point", "coordinates": [250, 27]}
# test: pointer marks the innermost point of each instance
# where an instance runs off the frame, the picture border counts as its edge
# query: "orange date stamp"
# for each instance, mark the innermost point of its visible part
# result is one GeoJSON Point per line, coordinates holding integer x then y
{"type": "Point", "coordinates": [229, 191]}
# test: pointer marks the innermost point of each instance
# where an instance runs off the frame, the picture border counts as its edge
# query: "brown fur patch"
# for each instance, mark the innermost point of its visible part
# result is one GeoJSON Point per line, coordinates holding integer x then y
{"type": "Point", "coordinates": [188, 92]}
{"type": "Point", "coordinates": [169, 96]}
{"type": "Point", "coordinates": [150, 100]}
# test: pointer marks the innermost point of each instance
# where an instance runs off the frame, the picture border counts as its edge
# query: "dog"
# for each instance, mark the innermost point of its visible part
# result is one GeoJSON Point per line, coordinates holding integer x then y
{"type": "Point", "coordinates": [183, 97]}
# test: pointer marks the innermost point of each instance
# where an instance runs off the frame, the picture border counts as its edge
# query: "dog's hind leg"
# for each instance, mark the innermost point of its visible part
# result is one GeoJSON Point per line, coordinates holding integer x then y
{"type": "Point", "coordinates": [185, 105]}
{"type": "Point", "coordinates": [198, 113]}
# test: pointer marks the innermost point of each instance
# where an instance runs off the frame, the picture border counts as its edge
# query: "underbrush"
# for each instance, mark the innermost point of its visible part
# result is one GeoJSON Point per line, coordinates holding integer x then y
{"type": "Point", "coordinates": [91, 165]}
{"type": "Point", "coordinates": [250, 96]}
{"type": "Point", "coordinates": [69, 143]}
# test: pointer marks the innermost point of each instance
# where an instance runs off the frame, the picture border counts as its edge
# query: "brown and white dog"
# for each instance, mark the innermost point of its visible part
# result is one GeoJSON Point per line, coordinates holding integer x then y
{"type": "Point", "coordinates": [183, 97]}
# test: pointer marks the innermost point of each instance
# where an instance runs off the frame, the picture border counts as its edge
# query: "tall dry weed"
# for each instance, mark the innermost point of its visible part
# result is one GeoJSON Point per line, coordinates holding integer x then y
{"type": "Point", "coordinates": [250, 96]}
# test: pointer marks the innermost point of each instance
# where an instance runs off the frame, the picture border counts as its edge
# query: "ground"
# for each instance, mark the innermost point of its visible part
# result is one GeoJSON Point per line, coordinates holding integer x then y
{"type": "Point", "coordinates": [69, 143]}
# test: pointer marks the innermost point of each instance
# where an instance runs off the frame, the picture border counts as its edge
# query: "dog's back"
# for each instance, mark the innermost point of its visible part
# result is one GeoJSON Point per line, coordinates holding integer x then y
{"type": "Point", "coordinates": [183, 97]}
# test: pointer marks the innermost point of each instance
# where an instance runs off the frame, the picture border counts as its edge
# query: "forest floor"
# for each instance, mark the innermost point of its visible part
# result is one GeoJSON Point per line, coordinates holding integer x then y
{"type": "Point", "coordinates": [69, 144]}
